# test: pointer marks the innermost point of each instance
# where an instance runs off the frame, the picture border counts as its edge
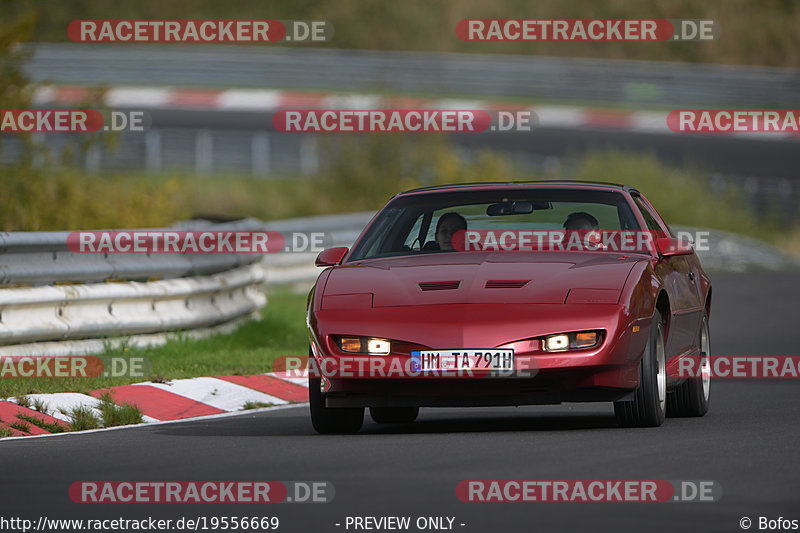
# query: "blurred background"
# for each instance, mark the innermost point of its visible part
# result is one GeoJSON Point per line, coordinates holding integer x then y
{"type": "Point", "coordinates": [210, 148]}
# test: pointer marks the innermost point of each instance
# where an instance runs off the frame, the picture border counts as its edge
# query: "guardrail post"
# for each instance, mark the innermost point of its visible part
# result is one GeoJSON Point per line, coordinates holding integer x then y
{"type": "Point", "coordinates": [259, 154]}
{"type": "Point", "coordinates": [38, 157]}
{"type": "Point", "coordinates": [789, 205]}
{"type": "Point", "coordinates": [152, 151]}
{"type": "Point", "coordinates": [203, 153]}
{"type": "Point", "coordinates": [91, 159]}
{"type": "Point", "coordinates": [752, 190]}
{"type": "Point", "coordinates": [309, 156]}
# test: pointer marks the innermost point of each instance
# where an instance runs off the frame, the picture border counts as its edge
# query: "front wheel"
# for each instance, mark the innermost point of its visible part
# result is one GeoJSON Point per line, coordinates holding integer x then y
{"type": "Point", "coordinates": [330, 420]}
{"type": "Point", "coordinates": [648, 408]}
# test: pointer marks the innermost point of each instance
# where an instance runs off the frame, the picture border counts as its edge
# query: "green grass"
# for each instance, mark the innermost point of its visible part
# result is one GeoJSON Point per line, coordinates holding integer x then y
{"type": "Point", "coordinates": [38, 422]}
{"type": "Point", "coordinates": [82, 418]}
{"type": "Point", "coordinates": [118, 415]}
{"type": "Point", "coordinates": [62, 198]}
{"type": "Point", "coordinates": [249, 350]}
{"type": "Point", "coordinates": [22, 426]}
{"type": "Point", "coordinates": [23, 400]}
{"type": "Point", "coordinates": [255, 405]}
{"type": "Point", "coordinates": [41, 406]}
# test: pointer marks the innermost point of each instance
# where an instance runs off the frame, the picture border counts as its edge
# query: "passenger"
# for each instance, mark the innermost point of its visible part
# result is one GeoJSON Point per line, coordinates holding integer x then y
{"type": "Point", "coordinates": [581, 221]}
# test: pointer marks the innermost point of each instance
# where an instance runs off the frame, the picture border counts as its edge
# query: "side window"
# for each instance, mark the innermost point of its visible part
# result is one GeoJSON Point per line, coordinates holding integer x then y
{"type": "Point", "coordinates": [652, 210]}
{"type": "Point", "coordinates": [652, 223]}
{"type": "Point", "coordinates": [412, 240]}
{"type": "Point", "coordinates": [378, 236]}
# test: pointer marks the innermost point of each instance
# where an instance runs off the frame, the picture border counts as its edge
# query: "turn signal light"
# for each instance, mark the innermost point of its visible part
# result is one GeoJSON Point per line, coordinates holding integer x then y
{"type": "Point", "coordinates": [368, 345]}
{"type": "Point", "coordinates": [350, 344]}
{"type": "Point", "coordinates": [584, 339]}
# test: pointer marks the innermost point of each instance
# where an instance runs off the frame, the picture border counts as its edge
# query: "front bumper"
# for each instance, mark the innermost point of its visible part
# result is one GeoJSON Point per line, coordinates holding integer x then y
{"type": "Point", "coordinates": [607, 372]}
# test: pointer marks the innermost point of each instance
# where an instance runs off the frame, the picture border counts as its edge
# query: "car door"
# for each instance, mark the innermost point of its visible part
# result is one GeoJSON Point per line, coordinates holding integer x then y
{"type": "Point", "coordinates": [681, 282]}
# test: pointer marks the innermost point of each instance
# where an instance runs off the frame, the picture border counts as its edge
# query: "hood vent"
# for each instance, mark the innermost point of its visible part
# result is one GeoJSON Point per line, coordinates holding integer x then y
{"type": "Point", "coordinates": [439, 285]}
{"type": "Point", "coordinates": [506, 283]}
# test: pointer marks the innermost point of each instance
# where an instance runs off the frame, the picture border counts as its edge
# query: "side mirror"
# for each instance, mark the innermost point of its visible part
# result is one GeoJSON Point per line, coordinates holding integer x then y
{"type": "Point", "coordinates": [671, 246]}
{"type": "Point", "coordinates": [331, 256]}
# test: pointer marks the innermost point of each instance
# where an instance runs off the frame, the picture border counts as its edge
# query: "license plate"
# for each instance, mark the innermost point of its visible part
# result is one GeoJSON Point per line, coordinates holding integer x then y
{"type": "Point", "coordinates": [442, 360]}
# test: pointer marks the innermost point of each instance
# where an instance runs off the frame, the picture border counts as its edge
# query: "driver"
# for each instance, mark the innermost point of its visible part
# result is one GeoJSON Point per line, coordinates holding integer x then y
{"type": "Point", "coordinates": [583, 221]}
{"type": "Point", "coordinates": [446, 226]}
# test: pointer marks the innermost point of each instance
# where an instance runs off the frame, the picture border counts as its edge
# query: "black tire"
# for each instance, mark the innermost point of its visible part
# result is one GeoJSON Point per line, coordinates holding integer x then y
{"type": "Point", "coordinates": [332, 420]}
{"type": "Point", "coordinates": [393, 415]}
{"type": "Point", "coordinates": [692, 397]}
{"type": "Point", "coordinates": [648, 408]}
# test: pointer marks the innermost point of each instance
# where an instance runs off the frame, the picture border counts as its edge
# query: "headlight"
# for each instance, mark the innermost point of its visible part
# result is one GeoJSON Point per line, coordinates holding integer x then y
{"type": "Point", "coordinates": [571, 341]}
{"type": "Point", "coordinates": [368, 345]}
{"type": "Point", "coordinates": [378, 346]}
{"type": "Point", "coordinates": [556, 343]}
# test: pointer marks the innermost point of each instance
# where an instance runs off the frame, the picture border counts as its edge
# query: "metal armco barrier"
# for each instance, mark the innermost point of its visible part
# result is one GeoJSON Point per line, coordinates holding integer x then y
{"type": "Point", "coordinates": [48, 293]}
{"type": "Point", "coordinates": [113, 309]}
{"type": "Point", "coordinates": [532, 77]}
{"type": "Point", "coordinates": [42, 258]}
{"type": "Point", "coordinates": [298, 269]}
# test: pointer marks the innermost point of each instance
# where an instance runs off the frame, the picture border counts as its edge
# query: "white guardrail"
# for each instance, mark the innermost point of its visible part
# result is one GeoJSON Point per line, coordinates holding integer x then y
{"type": "Point", "coordinates": [57, 302]}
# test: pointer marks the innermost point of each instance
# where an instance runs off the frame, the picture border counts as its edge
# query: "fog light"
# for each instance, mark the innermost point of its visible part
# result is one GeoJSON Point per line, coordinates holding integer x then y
{"type": "Point", "coordinates": [378, 346]}
{"type": "Point", "coordinates": [350, 344]}
{"type": "Point", "coordinates": [584, 339]}
{"type": "Point", "coordinates": [555, 343]}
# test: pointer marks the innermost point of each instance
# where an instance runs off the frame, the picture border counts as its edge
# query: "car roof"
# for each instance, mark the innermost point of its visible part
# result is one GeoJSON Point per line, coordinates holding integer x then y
{"type": "Point", "coordinates": [547, 184]}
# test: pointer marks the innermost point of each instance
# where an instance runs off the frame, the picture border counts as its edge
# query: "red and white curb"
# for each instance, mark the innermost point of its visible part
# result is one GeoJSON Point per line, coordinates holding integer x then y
{"type": "Point", "coordinates": [174, 400]}
{"type": "Point", "coordinates": [266, 100]}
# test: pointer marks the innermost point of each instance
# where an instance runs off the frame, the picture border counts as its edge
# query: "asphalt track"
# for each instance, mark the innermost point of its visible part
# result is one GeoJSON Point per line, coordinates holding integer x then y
{"type": "Point", "coordinates": [748, 443]}
{"type": "Point", "coordinates": [738, 156]}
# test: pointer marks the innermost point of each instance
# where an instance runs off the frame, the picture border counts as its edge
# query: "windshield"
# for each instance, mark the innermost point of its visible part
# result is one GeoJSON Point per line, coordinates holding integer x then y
{"type": "Point", "coordinates": [424, 223]}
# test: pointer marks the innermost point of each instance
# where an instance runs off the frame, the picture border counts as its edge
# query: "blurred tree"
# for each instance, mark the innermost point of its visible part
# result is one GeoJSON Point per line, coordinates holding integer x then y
{"type": "Point", "coordinates": [15, 89]}
{"type": "Point", "coordinates": [755, 33]}
{"type": "Point", "coordinates": [42, 189]}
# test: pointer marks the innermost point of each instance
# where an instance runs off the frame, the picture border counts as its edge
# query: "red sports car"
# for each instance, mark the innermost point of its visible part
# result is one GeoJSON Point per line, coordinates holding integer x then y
{"type": "Point", "coordinates": [472, 295]}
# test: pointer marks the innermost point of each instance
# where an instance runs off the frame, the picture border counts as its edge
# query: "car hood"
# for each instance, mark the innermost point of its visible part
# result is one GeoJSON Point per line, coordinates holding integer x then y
{"type": "Point", "coordinates": [509, 277]}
